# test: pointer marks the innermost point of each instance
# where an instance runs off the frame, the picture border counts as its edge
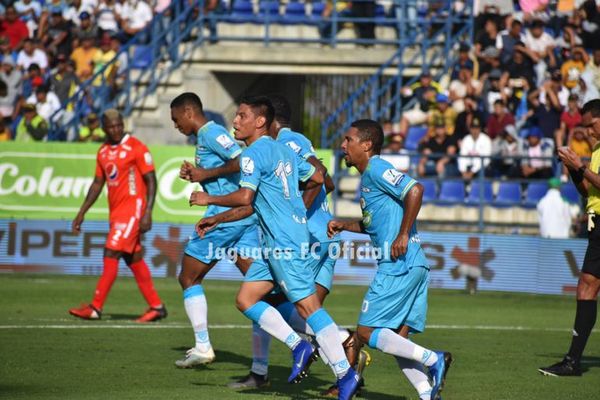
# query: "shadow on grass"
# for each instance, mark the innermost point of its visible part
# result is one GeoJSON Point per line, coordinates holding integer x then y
{"type": "Point", "coordinates": [120, 317]}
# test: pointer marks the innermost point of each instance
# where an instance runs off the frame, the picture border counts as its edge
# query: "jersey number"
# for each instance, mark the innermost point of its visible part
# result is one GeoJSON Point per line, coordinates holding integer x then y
{"type": "Point", "coordinates": [282, 172]}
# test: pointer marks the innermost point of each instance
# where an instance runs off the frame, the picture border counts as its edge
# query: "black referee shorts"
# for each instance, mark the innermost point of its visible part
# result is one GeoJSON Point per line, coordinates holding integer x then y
{"type": "Point", "coordinates": [591, 262]}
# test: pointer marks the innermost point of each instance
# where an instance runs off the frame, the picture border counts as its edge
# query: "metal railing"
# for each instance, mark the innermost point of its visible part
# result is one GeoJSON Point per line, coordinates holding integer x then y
{"type": "Point", "coordinates": [380, 95]}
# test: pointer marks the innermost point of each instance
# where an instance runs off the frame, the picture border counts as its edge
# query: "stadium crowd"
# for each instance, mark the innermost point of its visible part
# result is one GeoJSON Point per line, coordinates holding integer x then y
{"type": "Point", "coordinates": [47, 48]}
{"type": "Point", "coordinates": [514, 94]}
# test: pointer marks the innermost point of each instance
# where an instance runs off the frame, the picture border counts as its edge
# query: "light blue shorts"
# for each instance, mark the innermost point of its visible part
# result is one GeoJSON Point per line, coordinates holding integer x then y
{"type": "Point", "coordinates": [392, 301]}
{"type": "Point", "coordinates": [323, 266]}
{"type": "Point", "coordinates": [294, 276]}
{"type": "Point", "coordinates": [240, 237]}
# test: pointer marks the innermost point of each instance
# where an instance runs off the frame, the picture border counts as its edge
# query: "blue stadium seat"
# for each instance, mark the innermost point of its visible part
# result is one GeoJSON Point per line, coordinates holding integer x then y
{"type": "Point", "coordinates": [452, 192]}
{"type": "Point", "coordinates": [535, 191]}
{"type": "Point", "coordinates": [509, 194]}
{"type": "Point", "coordinates": [242, 12]}
{"type": "Point", "coordinates": [317, 12]}
{"type": "Point", "coordinates": [268, 9]}
{"type": "Point", "coordinates": [414, 136]}
{"type": "Point", "coordinates": [295, 13]}
{"type": "Point", "coordinates": [474, 195]}
{"type": "Point", "coordinates": [430, 190]}
{"type": "Point", "coordinates": [142, 57]}
{"type": "Point", "coordinates": [570, 193]}
{"type": "Point", "coordinates": [380, 12]}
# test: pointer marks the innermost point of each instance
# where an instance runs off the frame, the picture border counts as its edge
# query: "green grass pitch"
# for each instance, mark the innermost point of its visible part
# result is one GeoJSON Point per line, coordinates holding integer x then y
{"type": "Point", "coordinates": [498, 341]}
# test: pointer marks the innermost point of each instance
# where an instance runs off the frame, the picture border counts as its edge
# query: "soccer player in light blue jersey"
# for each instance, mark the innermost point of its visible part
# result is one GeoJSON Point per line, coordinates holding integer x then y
{"type": "Point", "coordinates": [216, 169]}
{"type": "Point", "coordinates": [321, 262]}
{"type": "Point", "coordinates": [270, 172]}
{"type": "Point", "coordinates": [396, 302]}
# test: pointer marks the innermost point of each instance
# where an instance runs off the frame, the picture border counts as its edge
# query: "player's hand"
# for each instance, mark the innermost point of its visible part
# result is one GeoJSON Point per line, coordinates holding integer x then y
{"type": "Point", "coordinates": [185, 171]}
{"type": "Point", "coordinates": [199, 199]}
{"type": "Point", "coordinates": [205, 225]}
{"type": "Point", "coordinates": [570, 158]}
{"type": "Point", "coordinates": [399, 246]}
{"type": "Point", "coordinates": [334, 227]}
{"type": "Point", "coordinates": [76, 224]}
{"type": "Point", "coordinates": [198, 175]}
{"type": "Point", "coordinates": [146, 223]}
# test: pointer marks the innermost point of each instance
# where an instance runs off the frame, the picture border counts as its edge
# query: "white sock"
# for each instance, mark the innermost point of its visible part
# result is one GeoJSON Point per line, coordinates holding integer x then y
{"type": "Point", "coordinates": [391, 343]}
{"type": "Point", "coordinates": [260, 350]}
{"type": "Point", "coordinates": [271, 321]}
{"type": "Point", "coordinates": [196, 308]}
{"type": "Point", "coordinates": [416, 375]}
{"type": "Point", "coordinates": [328, 337]}
{"type": "Point", "coordinates": [290, 314]}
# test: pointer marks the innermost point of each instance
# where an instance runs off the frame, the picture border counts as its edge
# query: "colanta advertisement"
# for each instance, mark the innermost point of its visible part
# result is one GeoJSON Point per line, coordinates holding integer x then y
{"type": "Point", "coordinates": [50, 181]}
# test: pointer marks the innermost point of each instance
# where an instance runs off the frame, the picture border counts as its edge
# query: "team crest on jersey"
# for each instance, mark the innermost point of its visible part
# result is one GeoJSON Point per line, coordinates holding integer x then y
{"type": "Point", "coordinates": [365, 189]}
{"type": "Point", "coordinates": [367, 218]}
{"type": "Point", "coordinates": [296, 149]}
{"type": "Point", "coordinates": [247, 166]}
{"type": "Point", "coordinates": [148, 158]}
{"type": "Point", "coordinates": [363, 202]}
{"type": "Point", "coordinates": [393, 176]}
{"type": "Point", "coordinates": [122, 154]}
{"type": "Point", "coordinates": [225, 141]}
{"type": "Point", "coordinates": [112, 172]}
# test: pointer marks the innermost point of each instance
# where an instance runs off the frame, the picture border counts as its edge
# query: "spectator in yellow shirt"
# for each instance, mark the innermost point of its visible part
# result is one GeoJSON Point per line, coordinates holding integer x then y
{"type": "Point", "coordinates": [83, 56]}
{"type": "Point", "coordinates": [573, 67]}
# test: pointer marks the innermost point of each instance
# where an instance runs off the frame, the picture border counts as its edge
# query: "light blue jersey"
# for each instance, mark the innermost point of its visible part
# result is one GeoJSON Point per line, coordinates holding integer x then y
{"type": "Point", "coordinates": [382, 194]}
{"type": "Point", "coordinates": [272, 170]}
{"type": "Point", "coordinates": [216, 147]}
{"type": "Point", "coordinates": [318, 214]}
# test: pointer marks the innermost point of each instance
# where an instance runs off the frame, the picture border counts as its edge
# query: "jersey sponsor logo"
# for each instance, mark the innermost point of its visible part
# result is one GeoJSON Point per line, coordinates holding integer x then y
{"type": "Point", "coordinates": [247, 166]}
{"type": "Point", "coordinates": [148, 158]}
{"type": "Point", "coordinates": [225, 141]}
{"type": "Point", "coordinates": [296, 149]}
{"type": "Point", "coordinates": [112, 172]}
{"type": "Point", "coordinates": [367, 218]}
{"type": "Point", "coordinates": [394, 177]}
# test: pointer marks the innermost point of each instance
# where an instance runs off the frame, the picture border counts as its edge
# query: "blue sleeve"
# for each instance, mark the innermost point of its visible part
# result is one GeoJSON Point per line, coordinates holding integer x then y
{"type": "Point", "coordinates": [220, 142]}
{"type": "Point", "coordinates": [301, 146]}
{"type": "Point", "coordinates": [250, 170]}
{"type": "Point", "coordinates": [305, 169]}
{"type": "Point", "coordinates": [392, 181]}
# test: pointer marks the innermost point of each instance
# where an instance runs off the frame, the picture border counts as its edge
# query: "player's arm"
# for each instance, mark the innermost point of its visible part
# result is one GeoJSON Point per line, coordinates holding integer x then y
{"type": "Point", "coordinates": [233, 214]}
{"type": "Point", "coordinates": [335, 226]}
{"type": "Point", "coordinates": [412, 205]}
{"type": "Point", "coordinates": [312, 188]}
{"type": "Point", "coordinates": [196, 174]}
{"type": "Point", "coordinates": [91, 197]}
{"type": "Point", "coordinates": [150, 181]}
{"type": "Point", "coordinates": [241, 197]}
{"type": "Point", "coordinates": [315, 162]}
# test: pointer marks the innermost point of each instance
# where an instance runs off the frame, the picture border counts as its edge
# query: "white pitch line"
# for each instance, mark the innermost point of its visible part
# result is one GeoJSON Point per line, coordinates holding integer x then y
{"type": "Point", "coordinates": [93, 325]}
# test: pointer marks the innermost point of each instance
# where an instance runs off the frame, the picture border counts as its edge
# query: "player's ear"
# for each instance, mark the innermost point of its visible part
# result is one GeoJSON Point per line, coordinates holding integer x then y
{"type": "Point", "coordinates": [366, 145]}
{"type": "Point", "coordinates": [260, 121]}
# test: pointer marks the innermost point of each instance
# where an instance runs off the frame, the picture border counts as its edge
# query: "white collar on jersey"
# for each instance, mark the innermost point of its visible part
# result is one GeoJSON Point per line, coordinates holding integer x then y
{"type": "Point", "coordinates": [123, 140]}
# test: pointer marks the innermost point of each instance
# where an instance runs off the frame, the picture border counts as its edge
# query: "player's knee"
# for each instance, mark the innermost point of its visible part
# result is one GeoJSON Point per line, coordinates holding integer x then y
{"type": "Point", "coordinates": [242, 302]}
{"type": "Point", "coordinates": [184, 280]}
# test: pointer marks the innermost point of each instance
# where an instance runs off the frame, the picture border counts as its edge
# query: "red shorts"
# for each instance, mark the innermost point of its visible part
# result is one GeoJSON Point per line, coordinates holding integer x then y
{"type": "Point", "coordinates": [124, 234]}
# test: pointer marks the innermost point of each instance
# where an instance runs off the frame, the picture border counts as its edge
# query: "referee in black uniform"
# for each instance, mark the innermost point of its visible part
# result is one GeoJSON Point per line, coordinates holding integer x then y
{"type": "Point", "coordinates": [587, 181]}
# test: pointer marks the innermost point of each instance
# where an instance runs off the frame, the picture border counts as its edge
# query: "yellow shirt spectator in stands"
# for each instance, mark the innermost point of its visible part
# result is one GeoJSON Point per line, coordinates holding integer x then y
{"type": "Point", "coordinates": [102, 57]}
{"type": "Point", "coordinates": [84, 57]}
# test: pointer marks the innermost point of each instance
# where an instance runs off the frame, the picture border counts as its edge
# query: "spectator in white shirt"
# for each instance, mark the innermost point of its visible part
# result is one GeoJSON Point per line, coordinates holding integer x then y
{"type": "Point", "coordinates": [136, 15]}
{"type": "Point", "coordinates": [31, 55]}
{"type": "Point", "coordinates": [542, 43]}
{"type": "Point", "coordinates": [554, 213]}
{"type": "Point", "coordinates": [476, 143]}
{"type": "Point", "coordinates": [46, 103]}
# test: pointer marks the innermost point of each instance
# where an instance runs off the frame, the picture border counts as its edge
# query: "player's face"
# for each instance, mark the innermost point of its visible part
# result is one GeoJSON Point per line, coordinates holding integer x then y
{"type": "Point", "coordinates": [352, 147]}
{"type": "Point", "coordinates": [114, 129]}
{"type": "Point", "coordinates": [591, 125]}
{"type": "Point", "coordinates": [181, 120]}
{"type": "Point", "coordinates": [244, 123]}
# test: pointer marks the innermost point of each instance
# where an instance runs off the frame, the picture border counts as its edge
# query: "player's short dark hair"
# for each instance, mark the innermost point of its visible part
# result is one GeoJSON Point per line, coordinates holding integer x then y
{"type": "Point", "coordinates": [261, 106]}
{"type": "Point", "coordinates": [282, 108]}
{"type": "Point", "coordinates": [592, 107]}
{"type": "Point", "coordinates": [370, 130]}
{"type": "Point", "coordinates": [188, 99]}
